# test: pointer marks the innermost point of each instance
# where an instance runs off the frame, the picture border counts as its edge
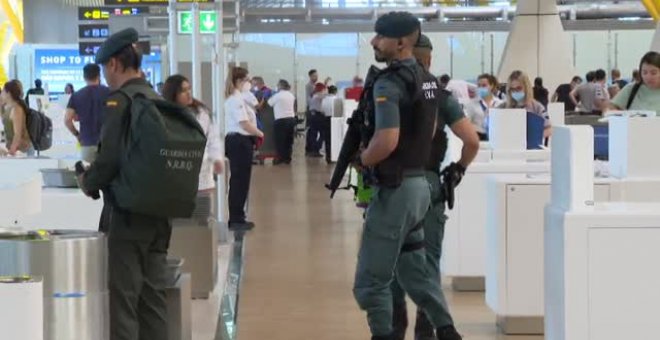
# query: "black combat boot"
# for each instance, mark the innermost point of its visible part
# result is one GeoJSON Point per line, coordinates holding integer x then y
{"type": "Point", "coordinates": [423, 327]}
{"type": "Point", "coordinates": [399, 321]}
{"type": "Point", "coordinates": [448, 333]}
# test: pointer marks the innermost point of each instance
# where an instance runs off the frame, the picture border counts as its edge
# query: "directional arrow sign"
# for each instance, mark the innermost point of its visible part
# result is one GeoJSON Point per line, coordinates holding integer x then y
{"type": "Point", "coordinates": [89, 48]}
{"type": "Point", "coordinates": [103, 13]}
{"type": "Point", "coordinates": [208, 23]}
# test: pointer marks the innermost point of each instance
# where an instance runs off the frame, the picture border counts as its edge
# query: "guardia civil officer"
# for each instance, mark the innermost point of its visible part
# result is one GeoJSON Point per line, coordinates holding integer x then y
{"type": "Point", "coordinates": [137, 244]}
{"type": "Point", "coordinates": [449, 114]}
{"type": "Point", "coordinates": [405, 106]}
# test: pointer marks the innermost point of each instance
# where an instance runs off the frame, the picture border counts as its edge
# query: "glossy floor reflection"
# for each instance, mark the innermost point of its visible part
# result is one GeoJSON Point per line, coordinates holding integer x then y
{"type": "Point", "coordinates": [300, 262]}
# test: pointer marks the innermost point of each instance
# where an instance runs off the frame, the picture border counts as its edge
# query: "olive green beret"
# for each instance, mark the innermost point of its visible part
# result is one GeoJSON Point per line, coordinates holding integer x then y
{"type": "Point", "coordinates": [397, 25]}
{"type": "Point", "coordinates": [116, 43]}
{"type": "Point", "coordinates": [424, 42]}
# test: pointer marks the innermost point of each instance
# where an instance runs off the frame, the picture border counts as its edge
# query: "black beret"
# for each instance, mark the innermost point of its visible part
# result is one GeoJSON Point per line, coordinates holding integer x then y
{"type": "Point", "coordinates": [397, 25]}
{"type": "Point", "coordinates": [424, 42]}
{"type": "Point", "coordinates": [116, 43]}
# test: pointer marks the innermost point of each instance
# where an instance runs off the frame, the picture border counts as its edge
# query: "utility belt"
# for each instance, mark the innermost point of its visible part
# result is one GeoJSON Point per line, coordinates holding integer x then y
{"type": "Point", "coordinates": [390, 176]}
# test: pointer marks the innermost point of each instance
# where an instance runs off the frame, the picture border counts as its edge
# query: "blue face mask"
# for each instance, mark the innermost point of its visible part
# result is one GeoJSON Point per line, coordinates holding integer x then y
{"type": "Point", "coordinates": [483, 92]}
{"type": "Point", "coordinates": [518, 96]}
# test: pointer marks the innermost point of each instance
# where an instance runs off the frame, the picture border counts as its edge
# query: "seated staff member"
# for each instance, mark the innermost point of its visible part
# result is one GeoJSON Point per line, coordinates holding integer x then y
{"type": "Point", "coordinates": [477, 109]}
{"type": "Point", "coordinates": [283, 103]}
{"type": "Point", "coordinates": [242, 131]}
{"type": "Point", "coordinates": [520, 95]}
{"type": "Point", "coordinates": [644, 95]}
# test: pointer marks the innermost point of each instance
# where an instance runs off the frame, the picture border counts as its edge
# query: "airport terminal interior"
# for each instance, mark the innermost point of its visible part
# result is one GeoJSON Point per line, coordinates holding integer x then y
{"type": "Point", "coordinates": [329, 169]}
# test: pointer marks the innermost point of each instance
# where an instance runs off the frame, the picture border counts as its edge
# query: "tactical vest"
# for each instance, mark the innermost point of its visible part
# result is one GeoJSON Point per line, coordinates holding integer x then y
{"type": "Point", "coordinates": [439, 143]}
{"type": "Point", "coordinates": [418, 112]}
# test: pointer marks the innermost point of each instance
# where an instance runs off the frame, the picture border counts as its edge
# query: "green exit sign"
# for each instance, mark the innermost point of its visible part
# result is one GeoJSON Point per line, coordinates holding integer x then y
{"type": "Point", "coordinates": [208, 22]}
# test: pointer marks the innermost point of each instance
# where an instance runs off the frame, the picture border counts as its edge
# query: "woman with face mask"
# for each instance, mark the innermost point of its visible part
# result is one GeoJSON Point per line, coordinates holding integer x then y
{"type": "Point", "coordinates": [642, 95]}
{"type": "Point", "coordinates": [477, 109]}
{"type": "Point", "coordinates": [240, 139]}
{"type": "Point", "coordinates": [520, 95]}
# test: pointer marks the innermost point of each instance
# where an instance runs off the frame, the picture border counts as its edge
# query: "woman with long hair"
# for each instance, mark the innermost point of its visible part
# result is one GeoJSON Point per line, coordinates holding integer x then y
{"type": "Point", "coordinates": [520, 95]}
{"type": "Point", "coordinates": [643, 94]}
{"type": "Point", "coordinates": [16, 131]}
{"type": "Point", "coordinates": [177, 89]}
{"type": "Point", "coordinates": [240, 140]}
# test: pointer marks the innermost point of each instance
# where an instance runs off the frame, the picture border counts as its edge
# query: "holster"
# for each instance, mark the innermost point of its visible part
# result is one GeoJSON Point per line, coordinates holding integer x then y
{"type": "Point", "coordinates": [389, 174]}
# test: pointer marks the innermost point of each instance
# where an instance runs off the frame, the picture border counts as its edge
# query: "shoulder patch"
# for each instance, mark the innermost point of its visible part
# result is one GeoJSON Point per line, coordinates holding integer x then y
{"type": "Point", "coordinates": [111, 103]}
{"type": "Point", "coordinates": [381, 99]}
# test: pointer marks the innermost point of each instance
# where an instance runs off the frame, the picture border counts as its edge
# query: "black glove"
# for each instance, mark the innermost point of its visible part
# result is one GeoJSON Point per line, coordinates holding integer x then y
{"type": "Point", "coordinates": [451, 177]}
{"type": "Point", "coordinates": [80, 171]}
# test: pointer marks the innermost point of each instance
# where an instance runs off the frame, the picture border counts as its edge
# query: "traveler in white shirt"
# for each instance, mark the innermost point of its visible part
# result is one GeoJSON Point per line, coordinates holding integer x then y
{"type": "Point", "coordinates": [329, 105]}
{"type": "Point", "coordinates": [477, 109]}
{"type": "Point", "coordinates": [284, 103]}
{"type": "Point", "coordinates": [242, 132]}
{"type": "Point", "coordinates": [177, 89]}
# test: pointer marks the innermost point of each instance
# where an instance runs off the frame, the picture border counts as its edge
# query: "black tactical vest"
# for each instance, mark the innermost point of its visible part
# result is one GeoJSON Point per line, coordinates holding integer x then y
{"type": "Point", "coordinates": [418, 112]}
{"type": "Point", "coordinates": [439, 143]}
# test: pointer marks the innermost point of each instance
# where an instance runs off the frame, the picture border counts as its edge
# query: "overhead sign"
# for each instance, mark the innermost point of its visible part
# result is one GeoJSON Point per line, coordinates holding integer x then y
{"type": "Point", "coordinates": [150, 2]}
{"type": "Point", "coordinates": [89, 48]}
{"type": "Point", "coordinates": [208, 22]}
{"type": "Point", "coordinates": [60, 67]}
{"type": "Point", "coordinates": [104, 13]}
{"type": "Point", "coordinates": [93, 31]}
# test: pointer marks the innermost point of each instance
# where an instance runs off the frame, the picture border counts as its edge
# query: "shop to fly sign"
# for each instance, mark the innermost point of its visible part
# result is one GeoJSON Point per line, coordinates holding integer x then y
{"type": "Point", "coordinates": [208, 22]}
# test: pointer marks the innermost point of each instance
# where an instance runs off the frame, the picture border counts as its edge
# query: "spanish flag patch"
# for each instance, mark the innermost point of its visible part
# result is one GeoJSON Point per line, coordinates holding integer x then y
{"type": "Point", "coordinates": [111, 103]}
{"type": "Point", "coordinates": [381, 99]}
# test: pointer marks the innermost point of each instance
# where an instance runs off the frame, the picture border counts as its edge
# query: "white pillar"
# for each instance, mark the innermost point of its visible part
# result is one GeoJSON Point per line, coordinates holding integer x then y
{"type": "Point", "coordinates": [218, 104]}
{"type": "Point", "coordinates": [538, 45]}
{"type": "Point", "coordinates": [196, 52]}
{"type": "Point", "coordinates": [655, 44]}
{"type": "Point", "coordinates": [171, 39]}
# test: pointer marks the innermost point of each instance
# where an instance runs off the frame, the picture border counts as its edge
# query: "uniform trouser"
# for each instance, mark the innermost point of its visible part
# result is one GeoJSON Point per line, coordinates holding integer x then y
{"type": "Point", "coordinates": [391, 221]}
{"type": "Point", "coordinates": [434, 231]}
{"type": "Point", "coordinates": [326, 131]}
{"type": "Point", "coordinates": [239, 150]}
{"type": "Point", "coordinates": [313, 137]}
{"type": "Point", "coordinates": [284, 132]}
{"type": "Point", "coordinates": [88, 153]}
{"type": "Point", "coordinates": [137, 254]}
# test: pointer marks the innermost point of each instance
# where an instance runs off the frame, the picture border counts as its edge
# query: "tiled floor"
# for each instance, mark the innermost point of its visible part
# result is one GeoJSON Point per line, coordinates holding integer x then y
{"type": "Point", "coordinates": [300, 262]}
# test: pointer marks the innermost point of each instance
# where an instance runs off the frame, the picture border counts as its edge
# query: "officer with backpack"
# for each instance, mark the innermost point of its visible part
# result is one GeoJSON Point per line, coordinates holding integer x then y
{"type": "Point", "coordinates": [148, 175]}
{"type": "Point", "coordinates": [449, 114]}
{"type": "Point", "coordinates": [405, 101]}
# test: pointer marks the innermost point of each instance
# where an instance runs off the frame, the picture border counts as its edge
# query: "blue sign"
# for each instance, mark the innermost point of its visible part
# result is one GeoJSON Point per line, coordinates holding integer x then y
{"type": "Point", "coordinates": [56, 68]}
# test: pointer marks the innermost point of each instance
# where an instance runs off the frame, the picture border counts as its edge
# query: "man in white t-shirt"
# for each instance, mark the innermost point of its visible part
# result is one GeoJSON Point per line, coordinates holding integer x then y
{"type": "Point", "coordinates": [284, 103]}
{"type": "Point", "coordinates": [330, 105]}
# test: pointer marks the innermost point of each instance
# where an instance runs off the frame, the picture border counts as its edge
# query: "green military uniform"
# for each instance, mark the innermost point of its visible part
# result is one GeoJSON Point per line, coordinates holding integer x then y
{"type": "Point", "coordinates": [434, 223]}
{"type": "Point", "coordinates": [137, 244]}
{"type": "Point", "coordinates": [392, 227]}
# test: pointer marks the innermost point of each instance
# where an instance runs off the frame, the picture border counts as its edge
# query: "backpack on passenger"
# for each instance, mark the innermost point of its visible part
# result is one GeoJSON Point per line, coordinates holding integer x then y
{"type": "Point", "coordinates": [40, 130]}
{"type": "Point", "coordinates": [163, 152]}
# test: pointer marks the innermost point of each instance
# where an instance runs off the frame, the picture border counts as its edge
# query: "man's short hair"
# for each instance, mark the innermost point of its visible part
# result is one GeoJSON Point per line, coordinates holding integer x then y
{"type": "Point", "coordinates": [312, 71]}
{"type": "Point", "coordinates": [332, 89]}
{"type": "Point", "coordinates": [38, 83]}
{"type": "Point", "coordinates": [577, 79]}
{"type": "Point", "coordinates": [91, 72]}
{"type": "Point", "coordinates": [258, 79]}
{"type": "Point", "coordinates": [600, 75]}
{"type": "Point", "coordinates": [445, 78]}
{"type": "Point", "coordinates": [616, 73]}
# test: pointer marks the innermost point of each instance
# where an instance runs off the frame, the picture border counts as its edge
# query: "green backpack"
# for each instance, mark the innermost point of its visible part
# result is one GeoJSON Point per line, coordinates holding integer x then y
{"type": "Point", "coordinates": [163, 152]}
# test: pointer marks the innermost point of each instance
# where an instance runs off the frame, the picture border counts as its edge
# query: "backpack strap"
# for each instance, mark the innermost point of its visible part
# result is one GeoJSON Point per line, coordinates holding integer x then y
{"type": "Point", "coordinates": [633, 94]}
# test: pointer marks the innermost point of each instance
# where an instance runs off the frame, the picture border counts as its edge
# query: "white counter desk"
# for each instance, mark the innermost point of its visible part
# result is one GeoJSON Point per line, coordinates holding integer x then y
{"type": "Point", "coordinates": [64, 209]}
{"type": "Point", "coordinates": [464, 246]}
